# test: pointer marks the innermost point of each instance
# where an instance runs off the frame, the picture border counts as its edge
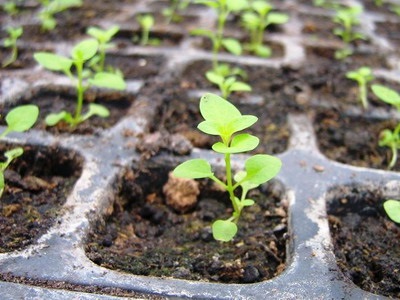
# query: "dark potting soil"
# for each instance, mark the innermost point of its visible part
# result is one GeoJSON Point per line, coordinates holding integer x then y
{"type": "Point", "coordinates": [366, 241]}
{"type": "Point", "coordinates": [54, 101]}
{"type": "Point", "coordinates": [353, 140]}
{"type": "Point", "coordinates": [144, 236]}
{"type": "Point", "coordinates": [37, 185]}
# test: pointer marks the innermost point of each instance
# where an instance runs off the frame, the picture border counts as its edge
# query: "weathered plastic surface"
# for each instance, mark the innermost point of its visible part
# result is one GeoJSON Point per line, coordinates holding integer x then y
{"type": "Point", "coordinates": [307, 175]}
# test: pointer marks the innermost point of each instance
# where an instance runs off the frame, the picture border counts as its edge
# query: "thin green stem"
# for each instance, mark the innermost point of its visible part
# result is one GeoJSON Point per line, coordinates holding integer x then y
{"type": "Point", "coordinates": [80, 91]}
{"type": "Point", "coordinates": [229, 185]}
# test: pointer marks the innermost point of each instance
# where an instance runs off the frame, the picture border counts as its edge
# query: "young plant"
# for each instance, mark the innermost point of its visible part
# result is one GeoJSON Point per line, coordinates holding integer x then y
{"type": "Point", "coordinates": [146, 22]}
{"type": "Point", "coordinates": [362, 75]}
{"type": "Point", "coordinates": [223, 8]}
{"type": "Point", "coordinates": [256, 21]}
{"type": "Point", "coordinates": [347, 18]}
{"type": "Point", "coordinates": [81, 53]}
{"type": "Point", "coordinates": [173, 12]}
{"type": "Point", "coordinates": [378, 2]}
{"type": "Point", "coordinates": [258, 169]}
{"type": "Point", "coordinates": [103, 37]}
{"type": "Point", "coordinates": [11, 42]}
{"type": "Point", "coordinates": [392, 209]}
{"type": "Point", "coordinates": [228, 84]}
{"type": "Point", "coordinates": [10, 8]}
{"type": "Point", "coordinates": [387, 137]}
{"type": "Point", "coordinates": [18, 119]}
{"type": "Point", "coordinates": [326, 3]}
{"type": "Point", "coordinates": [52, 7]}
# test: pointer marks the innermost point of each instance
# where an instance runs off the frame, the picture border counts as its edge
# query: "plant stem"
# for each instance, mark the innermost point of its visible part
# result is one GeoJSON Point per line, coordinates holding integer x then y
{"type": "Point", "coordinates": [363, 94]}
{"type": "Point", "coordinates": [229, 186]}
{"type": "Point", "coordinates": [80, 91]}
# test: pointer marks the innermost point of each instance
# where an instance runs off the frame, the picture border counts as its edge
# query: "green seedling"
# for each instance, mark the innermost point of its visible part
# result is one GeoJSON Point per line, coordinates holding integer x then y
{"type": "Point", "coordinates": [14, 33]}
{"type": "Point", "coordinates": [387, 137]}
{"type": "Point", "coordinates": [173, 12]}
{"type": "Point", "coordinates": [258, 169]}
{"type": "Point", "coordinates": [52, 7]}
{"type": "Point", "coordinates": [392, 209]}
{"type": "Point", "coordinates": [347, 18]}
{"type": "Point", "coordinates": [103, 37]}
{"type": "Point", "coordinates": [81, 53]}
{"type": "Point", "coordinates": [227, 85]}
{"type": "Point", "coordinates": [10, 7]}
{"type": "Point", "coordinates": [146, 22]}
{"type": "Point", "coordinates": [332, 4]}
{"type": "Point", "coordinates": [378, 2]}
{"type": "Point", "coordinates": [395, 8]}
{"type": "Point", "coordinates": [19, 119]}
{"type": "Point", "coordinates": [223, 9]}
{"type": "Point", "coordinates": [256, 21]}
{"type": "Point", "coordinates": [362, 75]}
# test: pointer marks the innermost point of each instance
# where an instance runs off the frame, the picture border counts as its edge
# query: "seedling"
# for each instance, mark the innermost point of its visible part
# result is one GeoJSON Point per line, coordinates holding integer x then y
{"type": "Point", "coordinates": [223, 8]}
{"type": "Point", "coordinates": [11, 42]}
{"type": "Point", "coordinates": [52, 7]}
{"type": "Point", "coordinates": [362, 75]}
{"type": "Point", "coordinates": [258, 169]}
{"type": "Point", "coordinates": [326, 3]}
{"type": "Point", "coordinates": [146, 22]}
{"type": "Point", "coordinates": [10, 7]}
{"type": "Point", "coordinates": [19, 119]}
{"type": "Point", "coordinates": [173, 12]}
{"type": "Point", "coordinates": [378, 2]}
{"type": "Point", "coordinates": [81, 53]}
{"type": "Point", "coordinates": [227, 85]}
{"type": "Point", "coordinates": [256, 22]}
{"type": "Point", "coordinates": [347, 18]}
{"type": "Point", "coordinates": [387, 137]}
{"type": "Point", "coordinates": [392, 209]}
{"type": "Point", "coordinates": [103, 37]}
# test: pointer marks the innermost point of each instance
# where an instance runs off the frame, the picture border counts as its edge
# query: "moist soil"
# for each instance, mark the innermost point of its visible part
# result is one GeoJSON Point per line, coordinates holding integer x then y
{"type": "Point", "coordinates": [353, 140]}
{"type": "Point", "coordinates": [366, 241]}
{"type": "Point", "coordinates": [37, 185]}
{"type": "Point", "coordinates": [54, 101]}
{"type": "Point", "coordinates": [144, 236]}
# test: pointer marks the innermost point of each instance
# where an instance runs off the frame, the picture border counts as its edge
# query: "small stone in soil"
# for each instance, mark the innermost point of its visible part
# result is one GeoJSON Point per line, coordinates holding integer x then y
{"type": "Point", "coordinates": [250, 274]}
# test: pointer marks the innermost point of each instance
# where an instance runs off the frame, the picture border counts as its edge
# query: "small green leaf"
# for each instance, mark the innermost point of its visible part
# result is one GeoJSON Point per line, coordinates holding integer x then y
{"type": "Point", "coordinates": [202, 32]}
{"type": "Point", "coordinates": [22, 117]}
{"type": "Point", "coordinates": [53, 62]}
{"type": "Point", "coordinates": [387, 138]}
{"type": "Point", "coordinates": [214, 77]}
{"type": "Point", "coordinates": [212, 105]}
{"type": "Point", "coordinates": [239, 86]}
{"type": "Point", "coordinates": [194, 168]}
{"type": "Point", "coordinates": [248, 202]}
{"type": "Point", "coordinates": [236, 5]}
{"type": "Point", "coordinates": [262, 167]}
{"type": "Point", "coordinates": [53, 119]}
{"type": "Point", "coordinates": [392, 208]}
{"type": "Point", "coordinates": [96, 110]}
{"type": "Point", "coordinates": [13, 153]}
{"type": "Point", "coordinates": [263, 51]}
{"type": "Point", "coordinates": [208, 3]}
{"type": "Point", "coordinates": [224, 230]}
{"type": "Point", "coordinates": [241, 143]}
{"type": "Point", "coordinates": [277, 18]}
{"type": "Point", "coordinates": [85, 50]}
{"type": "Point", "coordinates": [232, 45]}
{"type": "Point", "coordinates": [386, 94]}
{"type": "Point", "coordinates": [108, 80]}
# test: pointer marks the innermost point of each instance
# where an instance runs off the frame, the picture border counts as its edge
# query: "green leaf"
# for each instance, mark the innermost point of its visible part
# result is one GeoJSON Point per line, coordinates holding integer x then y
{"type": "Point", "coordinates": [13, 153]}
{"type": "Point", "coordinates": [202, 32]}
{"type": "Point", "coordinates": [263, 51]}
{"type": "Point", "coordinates": [248, 202]}
{"type": "Point", "coordinates": [214, 78]}
{"type": "Point", "coordinates": [224, 230]}
{"type": "Point", "coordinates": [277, 18]}
{"type": "Point", "coordinates": [236, 5]}
{"type": "Point", "coordinates": [208, 3]}
{"type": "Point", "coordinates": [242, 123]}
{"type": "Point", "coordinates": [194, 168]}
{"type": "Point", "coordinates": [22, 117]}
{"type": "Point", "coordinates": [387, 138]}
{"type": "Point", "coordinates": [386, 94]}
{"type": "Point", "coordinates": [85, 50]}
{"type": "Point", "coordinates": [239, 86]}
{"type": "Point", "coordinates": [53, 119]}
{"type": "Point", "coordinates": [232, 45]}
{"type": "Point", "coordinates": [262, 167]}
{"type": "Point", "coordinates": [108, 80]}
{"type": "Point", "coordinates": [53, 62]}
{"type": "Point", "coordinates": [241, 143]}
{"type": "Point", "coordinates": [96, 110]}
{"type": "Point", "coordinates": [392, 208]}
{"type": "Point", "coordinates": [261, 7]}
